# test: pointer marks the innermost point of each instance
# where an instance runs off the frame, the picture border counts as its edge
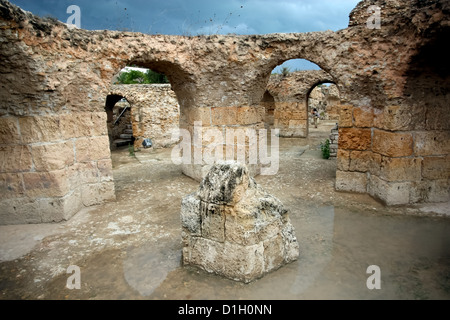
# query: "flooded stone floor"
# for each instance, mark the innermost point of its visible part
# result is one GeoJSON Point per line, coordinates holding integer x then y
{"type": "Point", "coordinates": [131, 248]}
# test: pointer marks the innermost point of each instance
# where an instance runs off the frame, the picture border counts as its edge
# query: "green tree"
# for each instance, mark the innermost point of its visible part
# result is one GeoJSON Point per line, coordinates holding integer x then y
{"type": "Point", "coordinates": [138, 77]}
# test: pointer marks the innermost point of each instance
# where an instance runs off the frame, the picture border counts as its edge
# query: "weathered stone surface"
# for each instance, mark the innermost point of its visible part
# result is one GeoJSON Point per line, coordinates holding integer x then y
{"type": "Point", "coordinates": [49, 157]}
{"type": "Point", "coordinates": [9, 131]}
{"type": "Point", "coordinates": [363, 117]}
{"type": "Point", "coordinates": [345, 116]}
{"type": "Point", "coordinates": [396, 118]}
{"type": "Point", "coordinates": [40, 129]}
{"type": "Point", "coordinates": [432, 143]}
{"type": "Point", "coordinates": [351, 181]}
{"type": "Point", "coordinates": [156, 112]}
{"type": "Point", "coordinates": [91, 149]}
{"type": "Point", "coordinates": [15, 159]}
{"type": "Point", "coordinates": [11, 185]}
{"type": "Point", "coordinates": [436, 168]}
{"type": "Point", "coordinates": [46, 184]}
{"type": "Point", "coordinates": [401, 169]}
{"type": "Point", "coordinates": [233, 228]}
{"type": "Point", "coordinates": [430, 191]}
{"type": "Point", "coordinates": [392, 144]}
{"type": "Point", "coordinates": [391, 193]}
{"type": "Point", "coordinates": [355, 138]}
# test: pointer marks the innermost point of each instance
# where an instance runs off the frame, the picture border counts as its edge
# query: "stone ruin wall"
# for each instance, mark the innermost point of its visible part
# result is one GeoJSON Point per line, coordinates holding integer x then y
{"type": "Point", "coordinates": [394, 136]}
{"type": "Point", "coordinates": [290, 95]}
{"type": "Point", "coordinates": [326, 100]}
{"type": "Point", "coordinates": [155, 112]}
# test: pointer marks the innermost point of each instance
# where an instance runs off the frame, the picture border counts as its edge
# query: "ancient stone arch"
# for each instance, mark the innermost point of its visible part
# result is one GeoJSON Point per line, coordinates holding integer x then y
{"type": "Point", "coordinates": [394, 133]}
{"type": "Point", "coordinates": [291, 94]}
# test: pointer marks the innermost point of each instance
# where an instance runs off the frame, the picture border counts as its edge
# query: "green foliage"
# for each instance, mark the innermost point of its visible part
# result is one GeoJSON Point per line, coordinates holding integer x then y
{"type": "Point", "coordinates": [325, 147]}
{"type": "Point", "coordinates": [131, 150]}
{"type": "Point", "coordinates": [285, 71]}
{"type": "Point", "coordinates": [138, 77]}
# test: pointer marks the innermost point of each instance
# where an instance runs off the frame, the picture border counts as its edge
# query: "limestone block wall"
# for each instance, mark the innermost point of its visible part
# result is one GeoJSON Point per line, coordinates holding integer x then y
{"type": "Point", "coordinates": [393, 156]}
{"type": "Point", "coordinates": [155, 112]}
{"type": "Point", "coordinates": [52, 166]}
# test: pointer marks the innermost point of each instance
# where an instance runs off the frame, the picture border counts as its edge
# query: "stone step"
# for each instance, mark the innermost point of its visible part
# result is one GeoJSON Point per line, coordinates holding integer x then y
{"type": "Point", "coordinates": [122, 141]}
{"type": "Point", "coordinates": [128, 131]}
{"type": "Point", "coordinates": [126, 136]}
{"type": "Point", "coordinates": [129, 126]}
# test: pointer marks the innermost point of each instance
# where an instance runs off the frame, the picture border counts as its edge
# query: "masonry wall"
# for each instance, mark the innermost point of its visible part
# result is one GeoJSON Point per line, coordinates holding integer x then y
{"type": "Point", "coordinates": [291, 100]}
{"type": "Point", "coordinates": [52, 166]}
{"type": "Point", "coordinates": [383, 152]}
{"type": "Point", "coordinates": [393, 83]}
{"type": "Point", "coordinates": [155, 112]}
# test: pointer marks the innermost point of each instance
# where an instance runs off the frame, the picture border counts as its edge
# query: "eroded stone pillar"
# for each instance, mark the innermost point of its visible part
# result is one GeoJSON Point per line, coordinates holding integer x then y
{"type": "Point", "coordinates": [52, 166]}
{"type": "Point", "coordinates": [232, 227]}
{"type": "Point", "coordinates": [222, 133]}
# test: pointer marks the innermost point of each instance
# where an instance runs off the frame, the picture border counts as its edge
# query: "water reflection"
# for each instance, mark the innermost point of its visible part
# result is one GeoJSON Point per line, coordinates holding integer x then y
{"type": "Point", "coordinates": [337, 245]}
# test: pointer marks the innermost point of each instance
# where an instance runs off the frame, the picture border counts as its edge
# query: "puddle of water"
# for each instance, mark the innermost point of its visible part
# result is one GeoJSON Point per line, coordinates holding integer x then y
{"type": "Point", "coordinates": [145, 269]}
{"type": "Point", "coordinates": [337, 246]}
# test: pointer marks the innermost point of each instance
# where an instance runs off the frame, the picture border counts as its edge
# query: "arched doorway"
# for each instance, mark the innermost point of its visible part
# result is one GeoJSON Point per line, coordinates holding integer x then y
{"type": "Point", "coordinates": [119, 121]}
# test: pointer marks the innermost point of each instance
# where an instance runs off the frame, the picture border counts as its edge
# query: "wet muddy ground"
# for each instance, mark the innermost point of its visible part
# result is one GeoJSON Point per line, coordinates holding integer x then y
{"type": "Point", "coordinates": [131, 248]}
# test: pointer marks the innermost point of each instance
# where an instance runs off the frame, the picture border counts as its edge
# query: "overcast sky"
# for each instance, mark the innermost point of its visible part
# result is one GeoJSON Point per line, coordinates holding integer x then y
{"type": "Point", "coordinates": [193, 17]}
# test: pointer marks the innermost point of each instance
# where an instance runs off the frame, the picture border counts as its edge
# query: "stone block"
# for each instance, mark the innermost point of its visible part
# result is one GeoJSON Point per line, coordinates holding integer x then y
{"type": "Point", "coordinates": [105, 170]}
{"type": "Point", "coordinates": [301, 124]}
{"type": "Point", "coordinates": [432, 143]}
{"type": "Point", "coordinates": [245, 232]}
{"type": "Point", "coordinates": [11, 185]}
{"type": "Point", "coordinates": [351, 181]}
{"type": "Point", "coordinates": [249, 115]}
{"type": "Point", "coordinates": [72, 204]}
{"type": "Point", "coordinates": [19, 211]}
{"type": "Point", "coordinates": [391, 193]}
{"type": "Point", "coordinates": [83, 173]}
{"type": "Point", "coordinates": [361, 161]}
{"type": "Point", "coordinates": [437, 117]}
{"type": "Point", "coordinates": [345, 116]}
{"type": "Point", "coordinates": [191, 115]}
{"type": "Point", "coordinates": [400, 118]}
{"type": "Point", "coordinates": [273, 253]}
{"type": "Point", "coordinates": [50, 157]}
{"type": "Point", "coordinates": [92, 149]}
{"type": "Point", "coordinates": [98, 120]}
{"type": "Point", "coordinates": [392, 144]}
{"type": "Point", "coordinates": [46, 184]}
{"type": "Point", "coordinates": [355, 139]}
{"type": "Point", "coordinates": [213, 221]}
{"type": "Point", "coordinates": [343, 160]}
{"type": "Point", "coordinates": [435, 168]}
{"type": "Point", "coordinates": [40, 129]}
{"type": "Point", "coordinates": [9, 131]}
{"type": "Point", "coordinates": [15, 159]}
{"type": "Point", "coordinates": [83, 124]}
{"type": "Point", "coordinates": [430, 191]}
{"type": "Point", "coordinates": [191, 218]}
{"type": "Point", "coordinates": [363, 117]}
{"type": "Point", "coordinates": [401, 169]}
{"type": "Point", "coordinates": [224, 116]}
{"type": "Point", "coordinates": [227, 259]}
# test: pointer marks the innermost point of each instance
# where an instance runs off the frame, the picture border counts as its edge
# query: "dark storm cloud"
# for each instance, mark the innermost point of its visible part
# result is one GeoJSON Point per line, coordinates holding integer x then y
{"type": "Point", "coordinates": [191, 17]}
